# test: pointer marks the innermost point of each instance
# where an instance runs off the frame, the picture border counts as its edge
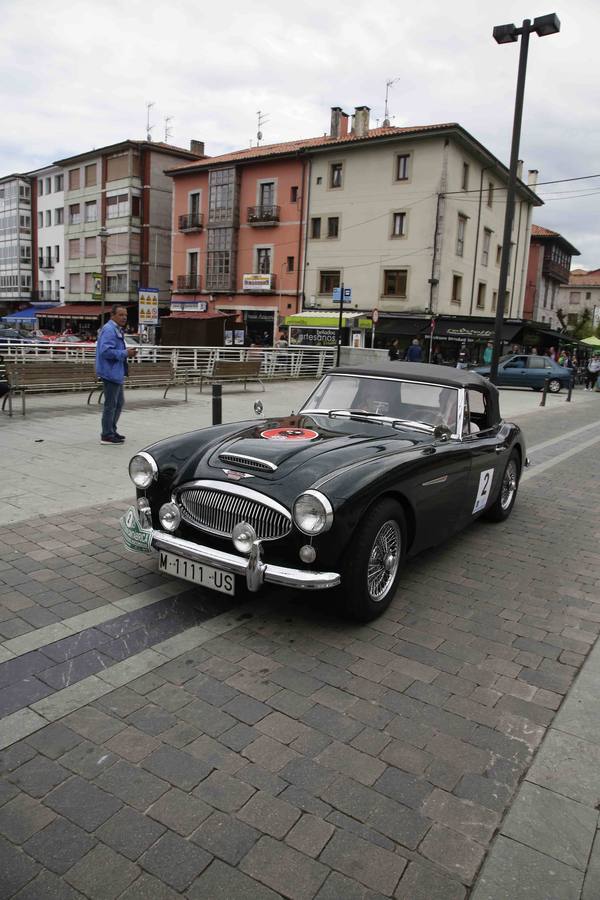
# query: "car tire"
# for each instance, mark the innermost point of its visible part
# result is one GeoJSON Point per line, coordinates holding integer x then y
{"type": "Point", "coordinates": [502, 507]}
{"type": "Point", "coordinates": [365, 595]}
{"type": "Point", "coordinates": [554, 386]}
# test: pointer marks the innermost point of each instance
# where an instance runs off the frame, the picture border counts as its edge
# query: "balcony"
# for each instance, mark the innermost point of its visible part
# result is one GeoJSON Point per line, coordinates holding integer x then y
{"type": "Point", "coordinates": [191, 222]}
{"type": "Point", "coordinates": [263, 215]}
{"type": "Point", "coordinates": [46, 296]}
{"type": "Point", "coordinates": [258, 283]}
{"type": "Point", "coordinates": [188, 282]}
{"type": "Point", "coordinates": [46, 262]}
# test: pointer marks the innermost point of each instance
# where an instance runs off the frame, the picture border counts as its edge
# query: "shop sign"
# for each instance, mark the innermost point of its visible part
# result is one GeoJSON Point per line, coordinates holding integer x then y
{"type": "Point", "coordinates": [191, 306]}
{"type": "Point", "coordinates": [469, 333]}
{"type": "Point", "coordinates": [257, 282]}
{"type": "Point", "coordinates": [317, 337]}
{"type": "Point", "coordinates": [148, 306]}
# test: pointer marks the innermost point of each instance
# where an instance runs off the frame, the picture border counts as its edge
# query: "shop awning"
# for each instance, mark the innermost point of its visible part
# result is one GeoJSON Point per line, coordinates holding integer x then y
{"type": "Point", "coordinates": [405, 325]}
{"type": "Point", "coordinates": [471, 331]}
{"type": "Point", "coordinates": [193, 314]}
{"type": "Point", "coordinates": [79, 310]}
{"type": "Point", "coordinates": [326, 319]}
{"type": "Point", "coordinates": [21, 315]}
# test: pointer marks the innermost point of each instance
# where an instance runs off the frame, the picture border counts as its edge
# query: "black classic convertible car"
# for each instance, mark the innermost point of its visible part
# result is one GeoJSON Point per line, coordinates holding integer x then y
{"type": "Point", "coordinates": [377, 465]}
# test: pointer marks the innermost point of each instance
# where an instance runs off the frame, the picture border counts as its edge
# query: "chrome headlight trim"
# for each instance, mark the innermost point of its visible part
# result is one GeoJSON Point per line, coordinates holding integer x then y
{"type": "Point", "coordinates": [144, 480]}
{"type": "Point", "coordinates": [169, 524]}
{"type": "Point", "coordinates": [327, 512]}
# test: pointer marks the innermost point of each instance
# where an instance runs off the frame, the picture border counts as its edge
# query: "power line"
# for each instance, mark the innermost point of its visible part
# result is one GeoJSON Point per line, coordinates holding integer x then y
{"type": "Point", "coordinates": [532, 187]}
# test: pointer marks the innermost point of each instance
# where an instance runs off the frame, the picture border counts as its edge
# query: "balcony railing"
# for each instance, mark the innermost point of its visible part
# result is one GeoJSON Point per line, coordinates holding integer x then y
{"type": "Point", "coordinates": [191, 222]}
{"type": "Point", "coordinates": [263, 215]}
{"type": "Point", "coordinates": [46, 296]}
{"type": "Point", "coordinates": [188, 282]}
{"type": "Point", "coordinates": [46, 262]}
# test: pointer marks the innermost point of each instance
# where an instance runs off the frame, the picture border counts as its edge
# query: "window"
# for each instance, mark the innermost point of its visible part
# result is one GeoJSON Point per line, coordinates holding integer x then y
{"type": "Point", "coordinates": [91, 211]}
{"type": "Point", "coordinates": [75, 283]}
{"type": "Point", "coordinates": [263, 260]}
{"type": "Point", "coordinates": [290, 264]}
{"type": "Point", "coordinates": [465, 177]}
{"type": "Point", "coordinates": [456, 288]}
{"type": "Point", "coordinates": [494, 300]}
{"type": "Point", "coordinates": [588, 295]}
{"type": "Point", "coordinates": [135, 206]}
{"type": "Point", "coordinates": [57, 253]}
{"type": "Point", "coordinates": [335, 175]}
{"type": "Point", "coordinates": [193, 203]}
{"type": "Point", "coordinates": [319, 179]}
{"type": "Point", "coordinates": [74, 179]}
{"type": "Point", "coordinates": [74, 214]}
{"type": "Point", "coordinates": [394, 282]}
{"type": "Point", "coordinates": [40, 220]}
{"type": "Point", "coordinates": [89, 283]}
{"type": "Point", "coordinates": [59, 216]}
{"type": "Point", "coordinates": [117, 167]}
{"type": "Point", "coordinates": [399, 224]}
{"type": "Point", "coordinates": [90, 175]}
{"type": "Point", "coordinates": [460, 235]}
{"type": "Point", "coordinates": [117, 244]}
{"type": "Point", "coordinates": [333, 227]}
{"type": "Point", "coordinates": [24, 191]}
{"type": "Point", "coordinates": [48, 185]}
{"type": "Point", "coordinates": [315, 228]}
{"type": "Point", "coordinates": [402, 167]}
{"type": "Point", "coordinates": [48, 218]}
{"type": "Point", "coordinates": [537, 362]}
{"type": "Point", "coordinates": [293, 194]}
{"type": "Point", "coordinates": [267, 193]}
{"type": "Point", "coordinates": [90, 247]}
{"type": "Point", "coordinates": [74, 248]}
{"type": "Point", "coordinates": [574, 298]}
{"type": "Point", "coordinates": [192, 265]}
{"type": "Point", "coordinates": [40, 187]}
{"type": "Point", "coordinates": [328, 280]}
{"type": "Point", "coordinates": [490, 194]}
{"type": "Point", "coordinates": [117, 206]}
{"type": "Point", "coordinates": [221, 194]}
{"type": "Point", "coordinates": [481, 295]}
{"type": "Point", "coordinates": [498, 254]}
{"type": "Point", "coordinates": [485, 248]}
{"type": "Point", "coordinates": [116, 283]}
{"type": "Point", "coordinates": [59, 182]}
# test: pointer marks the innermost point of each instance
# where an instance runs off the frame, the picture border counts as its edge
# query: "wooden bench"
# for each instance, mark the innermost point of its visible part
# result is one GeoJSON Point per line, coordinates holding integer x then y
{"type": "Point", "coordinates": [38, 377]}
{"type": "Point", "coordinates": [225, 370]}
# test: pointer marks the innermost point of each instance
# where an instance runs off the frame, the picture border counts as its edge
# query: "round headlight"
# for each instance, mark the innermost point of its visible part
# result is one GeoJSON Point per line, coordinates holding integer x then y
{"type": "Point", "coordinates": [243, 536]}
{"type": "Point", "coordinates": [143, 470]}
{"type": "Point", "coordinates": [313, 512]}
{"type": "Point", "coordinates": [169, 516]}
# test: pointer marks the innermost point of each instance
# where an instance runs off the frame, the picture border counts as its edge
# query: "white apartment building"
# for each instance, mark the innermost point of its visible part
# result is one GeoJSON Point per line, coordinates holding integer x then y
{"type": "Point", "coordinates": [15, 243]}
{"type": "Point", "coordinates": [49, 234]}
{"type": "Point", "coordinates": [411, 219]}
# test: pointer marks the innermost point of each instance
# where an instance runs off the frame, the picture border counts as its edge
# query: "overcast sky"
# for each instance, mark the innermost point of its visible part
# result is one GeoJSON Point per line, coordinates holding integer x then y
{"type": "Point", "coordinates": [77, 75]}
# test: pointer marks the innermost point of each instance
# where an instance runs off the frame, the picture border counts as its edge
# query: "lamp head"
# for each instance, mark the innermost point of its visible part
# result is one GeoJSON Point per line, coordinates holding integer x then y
{"type": "Point", "coordinates": [544, 25]}
{"type": "Point", "coordinates": [505, 34]}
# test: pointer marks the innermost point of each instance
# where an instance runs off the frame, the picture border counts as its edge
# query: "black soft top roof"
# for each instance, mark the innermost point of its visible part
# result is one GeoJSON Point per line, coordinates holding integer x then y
{"type": "Point", "coordinates": [444, 375]}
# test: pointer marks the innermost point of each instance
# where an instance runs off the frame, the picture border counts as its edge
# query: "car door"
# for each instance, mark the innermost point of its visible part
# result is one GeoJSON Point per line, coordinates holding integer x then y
{"type": "Point", "coordinates": [489, 455]}
{"type": "Point", "coordinates": [513, 372]}
{"type": "Point", "coordinates": [538, 367]}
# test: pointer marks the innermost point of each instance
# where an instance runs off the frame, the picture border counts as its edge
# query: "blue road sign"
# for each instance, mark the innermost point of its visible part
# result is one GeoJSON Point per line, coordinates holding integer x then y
{"type": "Point", "coordinates": [337, 295]}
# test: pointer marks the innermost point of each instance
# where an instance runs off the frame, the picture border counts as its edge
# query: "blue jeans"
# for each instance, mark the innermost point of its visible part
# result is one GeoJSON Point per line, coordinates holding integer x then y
{"type": "Point", "coordinates": [113, 404]}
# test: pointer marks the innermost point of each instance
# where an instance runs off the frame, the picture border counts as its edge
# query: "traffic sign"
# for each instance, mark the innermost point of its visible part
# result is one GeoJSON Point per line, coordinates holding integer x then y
{"type": "Point", "coordinates": [337, 295]}
{"type": "Point", "coordinates": [375, 316]}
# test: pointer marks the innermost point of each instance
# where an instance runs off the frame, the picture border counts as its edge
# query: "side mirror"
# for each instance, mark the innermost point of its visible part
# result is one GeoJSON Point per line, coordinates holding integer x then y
{"type": "Point", "coordinates": [442, 433]}
{"type": "Point", "coordinates": [258, 407]}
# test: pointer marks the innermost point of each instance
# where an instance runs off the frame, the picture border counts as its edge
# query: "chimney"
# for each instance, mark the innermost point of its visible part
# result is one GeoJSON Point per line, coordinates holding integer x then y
{"type": "Point", "coordinates": [361, 120]}
{"type": "Point", "coordinates": [344, 125]}
{"type": "Point", "coordinates": [336, 117]}
{"type": "Point", "coordinates": [197, 147]}
{"type": "Point", "coordinates": [520, 169]}
{"type": "Point", "coordinates": [532, 178]}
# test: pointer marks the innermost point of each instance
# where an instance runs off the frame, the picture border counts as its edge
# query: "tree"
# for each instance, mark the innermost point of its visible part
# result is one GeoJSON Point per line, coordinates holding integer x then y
{"type": "Point", "coordinates": [578, 325]}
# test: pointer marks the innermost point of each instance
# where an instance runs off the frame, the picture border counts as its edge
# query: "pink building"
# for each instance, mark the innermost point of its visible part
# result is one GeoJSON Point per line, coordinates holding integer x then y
{"type": "Point", "coordinates": [238, 238]}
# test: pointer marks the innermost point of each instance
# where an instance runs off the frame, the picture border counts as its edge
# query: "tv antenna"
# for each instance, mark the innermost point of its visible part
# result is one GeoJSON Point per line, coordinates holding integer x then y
{"type": "Point", "coordinates": [168, 129]}
{"type": "Point", "coordinates": [388, 84]}
{"type": "Point", "coordinates": [149, 127]}
{"type": "Point", "coordinates": [261, 119]}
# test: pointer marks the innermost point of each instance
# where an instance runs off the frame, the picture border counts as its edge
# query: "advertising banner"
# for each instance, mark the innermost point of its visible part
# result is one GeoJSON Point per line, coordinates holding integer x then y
{"type": "Point", "coordinates": [256, 282]}
{"type": "Point", "coordinates": [148, 306]}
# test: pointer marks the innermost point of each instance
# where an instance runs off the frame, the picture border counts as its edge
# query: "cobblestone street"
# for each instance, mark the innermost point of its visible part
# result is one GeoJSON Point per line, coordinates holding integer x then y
{"type": "Point", "coordinates": [159, 742]}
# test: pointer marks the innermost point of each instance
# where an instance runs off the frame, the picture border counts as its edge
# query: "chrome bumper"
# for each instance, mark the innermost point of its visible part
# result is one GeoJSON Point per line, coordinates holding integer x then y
{"type": "Point", "coordinates": [253, 568]}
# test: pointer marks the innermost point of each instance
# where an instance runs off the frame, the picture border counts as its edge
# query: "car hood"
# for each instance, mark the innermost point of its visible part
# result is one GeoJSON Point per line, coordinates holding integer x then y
{"type": "Point", "coordinates": [271, 450]}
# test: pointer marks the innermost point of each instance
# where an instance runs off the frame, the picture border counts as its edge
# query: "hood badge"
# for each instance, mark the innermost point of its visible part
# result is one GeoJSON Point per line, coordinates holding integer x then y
{"type": "Point", "coordinates": [237, 476]}
{"type": "Point", "coordinates": [289, 434]}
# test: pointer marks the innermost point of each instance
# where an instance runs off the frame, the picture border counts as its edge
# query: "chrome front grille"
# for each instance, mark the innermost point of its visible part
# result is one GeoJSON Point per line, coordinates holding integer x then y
{"type": "Point", "coordinates": [248, 462]}
{"type": "Point", "coordinates": [217, 507]}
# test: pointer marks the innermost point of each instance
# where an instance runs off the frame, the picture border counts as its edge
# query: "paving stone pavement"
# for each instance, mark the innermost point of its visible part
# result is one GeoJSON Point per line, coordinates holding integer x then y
{"type": "Point", "coordinates": [274, 750]}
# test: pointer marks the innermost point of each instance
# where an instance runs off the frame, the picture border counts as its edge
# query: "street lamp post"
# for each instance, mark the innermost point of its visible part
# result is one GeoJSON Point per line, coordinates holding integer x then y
{"type": "Point", "coordinates": [507, 34]}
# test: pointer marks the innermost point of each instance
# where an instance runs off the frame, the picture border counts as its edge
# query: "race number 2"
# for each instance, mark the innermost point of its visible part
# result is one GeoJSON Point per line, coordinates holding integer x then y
{"type": "Point", "coordinates": [483, 491]}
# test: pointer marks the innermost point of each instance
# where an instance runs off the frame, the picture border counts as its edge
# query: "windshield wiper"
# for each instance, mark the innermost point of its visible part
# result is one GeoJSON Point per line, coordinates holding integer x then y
{"type": "Point", "coordinates": [354, 414]}
{"type": "Point", "coordinates": [408, 422]}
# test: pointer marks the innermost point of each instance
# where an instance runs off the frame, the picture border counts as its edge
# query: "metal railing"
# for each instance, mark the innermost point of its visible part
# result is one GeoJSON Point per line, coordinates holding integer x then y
{"type": "Point", "coordinates": [46, 262]}
{"type": "Point", "coordinates": [191, 222]}
{"type": "Point", "coordinates": [188, 282]}
{"type": "Point", "coordinates": [263, 215]}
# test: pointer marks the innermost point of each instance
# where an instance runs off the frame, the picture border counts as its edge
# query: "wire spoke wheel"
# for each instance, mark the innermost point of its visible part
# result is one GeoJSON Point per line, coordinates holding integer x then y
{"type": "Point", "coordinates": [384, 560]}
{"type": "Point", "coordinates": [509, 485]}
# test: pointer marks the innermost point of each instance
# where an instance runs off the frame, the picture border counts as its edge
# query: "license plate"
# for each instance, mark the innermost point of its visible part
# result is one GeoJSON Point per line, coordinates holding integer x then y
{"type": "Point", "coordinates": [198, 573]}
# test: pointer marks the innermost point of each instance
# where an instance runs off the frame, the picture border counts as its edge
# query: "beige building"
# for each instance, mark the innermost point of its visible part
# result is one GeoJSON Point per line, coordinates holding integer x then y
{"type": "Point", "coordinates": [581, 293]}
{"type": "Point", "coordinates": [411, 219]}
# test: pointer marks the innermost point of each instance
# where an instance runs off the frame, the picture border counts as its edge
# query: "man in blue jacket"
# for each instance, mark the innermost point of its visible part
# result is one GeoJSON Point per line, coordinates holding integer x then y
{"type": "Point", "coordinates": [414, 352]}
{"type": "Point", "coordinates": [111, 368]}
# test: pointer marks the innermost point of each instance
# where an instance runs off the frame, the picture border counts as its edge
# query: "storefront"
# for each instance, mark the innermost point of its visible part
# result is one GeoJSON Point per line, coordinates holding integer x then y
{"type": "Point", "coordinates": [448, 334]}
{"type": "Point", "coordinates": [316, 328]}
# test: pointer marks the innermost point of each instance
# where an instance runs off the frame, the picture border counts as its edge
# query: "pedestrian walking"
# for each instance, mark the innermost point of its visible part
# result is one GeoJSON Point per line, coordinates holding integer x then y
{"type": "Point", "coordinates": [592, 372]}
{"type": "Point", "coordinates": [488, 353]}
{"type": "Point", "coordinates": [414, 352]}
{"type": "Point", "coordinates": [437, 357]}
{"type": "Point", "coordinates": [394, 351]}
{"type": "Point", "coordinates": [111, 367]}
{"type": "Point", "coordinates": [463, 358]}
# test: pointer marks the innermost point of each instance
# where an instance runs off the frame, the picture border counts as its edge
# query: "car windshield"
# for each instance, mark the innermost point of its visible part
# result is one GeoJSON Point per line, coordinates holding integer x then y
{"type": "Point", "coordinates": [388, 399]}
